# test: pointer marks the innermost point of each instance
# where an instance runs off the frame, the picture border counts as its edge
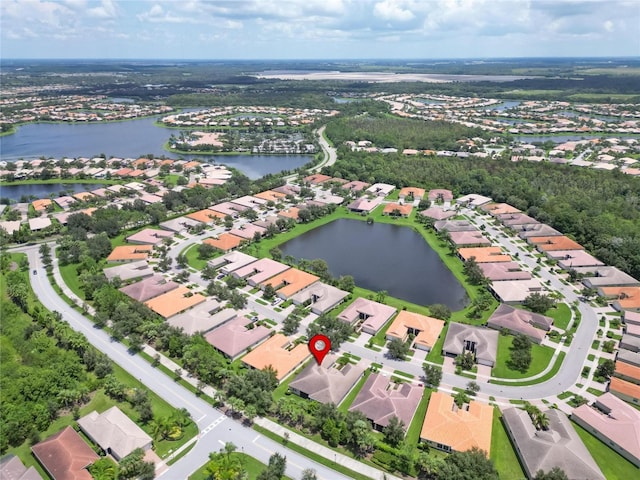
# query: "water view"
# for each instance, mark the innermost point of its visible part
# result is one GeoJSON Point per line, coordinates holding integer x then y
{"type": "Point", "coordinates": [44, 190]}
{"type": "Point", "coordinates": [130, 138]}
{"type": "Point", "coordinates": [382, 257]}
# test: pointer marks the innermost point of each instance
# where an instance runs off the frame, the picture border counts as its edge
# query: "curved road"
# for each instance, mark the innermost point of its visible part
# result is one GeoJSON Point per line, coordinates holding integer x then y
{"type": "Point", "coordinates": [215, 428]}
{"type": "Point", "coordinates": [330, 153]}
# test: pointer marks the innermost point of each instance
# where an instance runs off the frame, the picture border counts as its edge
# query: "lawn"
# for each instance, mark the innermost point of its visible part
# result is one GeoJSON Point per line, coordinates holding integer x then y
{"type": "Point", "coordinates": [502, 453]}
{"type": "Point", "coordinates": [540, 358]}
{"type": "Point", "coordinates": [70, 277]}
{"type": "Point", "coordinates": [348, 400]}
{"type": "Point", "coordinates": [561, 315]}
{"type": "Point", "coordinates": [251, 465]}
{"type": "Point", "coordinates": [435, 354]}
{"type": "Point", "coordinates": [413, 432]}
{"type": "Point", "coordinates": [613, 465]}
{"type": "Point", "coordinates": [193, 257]}
{"type": "Point", "coordinates": [550, 374]}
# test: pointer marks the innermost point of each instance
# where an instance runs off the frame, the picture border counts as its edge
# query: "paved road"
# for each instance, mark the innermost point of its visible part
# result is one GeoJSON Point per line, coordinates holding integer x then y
{"type": "Point", "coordinates": [215, 428]}
{"type": "Point", "coordinates": [330, 154]}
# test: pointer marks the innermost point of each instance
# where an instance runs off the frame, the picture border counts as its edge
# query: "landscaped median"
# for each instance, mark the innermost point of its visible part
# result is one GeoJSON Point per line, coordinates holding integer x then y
{"type": "Point", "coordinates": [550, 374]}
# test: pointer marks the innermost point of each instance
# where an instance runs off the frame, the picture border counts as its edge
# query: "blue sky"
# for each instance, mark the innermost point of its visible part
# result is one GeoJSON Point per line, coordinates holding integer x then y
{"type": "Point", "coordinates": [322, 29]}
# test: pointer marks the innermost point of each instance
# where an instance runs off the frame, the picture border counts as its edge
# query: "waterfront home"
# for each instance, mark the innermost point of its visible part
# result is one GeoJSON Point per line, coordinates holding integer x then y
{"type": "Point", "coordinates": [424, 330]}
{"type": "Point", "coordinates": [370, 315]}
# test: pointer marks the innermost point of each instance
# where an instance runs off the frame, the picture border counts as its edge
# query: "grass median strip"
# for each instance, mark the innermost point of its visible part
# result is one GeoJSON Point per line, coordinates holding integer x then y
{"type": "Point", "coordinates": [309, 454]}
{"type": "Point", "coordinates": [544, 378]}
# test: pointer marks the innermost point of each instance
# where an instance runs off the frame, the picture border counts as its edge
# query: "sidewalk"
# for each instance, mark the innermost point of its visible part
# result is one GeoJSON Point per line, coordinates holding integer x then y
{"type": "Point", "coordinates": [325, 452]}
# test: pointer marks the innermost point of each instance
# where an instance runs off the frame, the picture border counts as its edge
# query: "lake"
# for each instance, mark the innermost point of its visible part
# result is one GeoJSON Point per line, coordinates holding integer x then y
{"type": "Point", "coordinates": [42, 190]}
{"type": "Point", "coordinates": [382, 257]}
{"type": "Point", "coordinates": [127, 139]}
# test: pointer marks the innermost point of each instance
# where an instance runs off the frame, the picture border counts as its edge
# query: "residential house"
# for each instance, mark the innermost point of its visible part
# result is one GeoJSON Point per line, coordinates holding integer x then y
{"type": "Point", "coordinates": [202, 318]}
{"type": "Point", "coordinates": [438, 213]}
{"type": "Point", "coordinates": [364, 205]}
{"type": "Point", "coordinates": [557, 446]}
{"type": "Point", "coordinates": [519, 321]}
{"type": "Point", "coordinates": [279, 353]}
{"type": "Point", "coordinates": [179, 225]}
{"type": "Point", "coordinates": [149, 236]}
{"type": "Point", "coordinates": [234, 337]}
{"type": "Point", "coordinates": [473, 200]}
{"type": "Point", "coordinates": [605, 276]}
{"type": "Point", "coordinates": [289, 282]}
{"type": "Point", "coordinates": [327, 382]}
{"type": "Point", "coordinates": [149, 288]}
{"type": "Point", "coordinates": [496, 209]}
{"type": "Point", "coordinates": [130, 253]}
{"type": "Point", "coordinates": [381, 189]}
{"type": "Point", "coordinates": [627, 391]}
{"type": "Point", "coordinates": [568, 259]}
{"type": "Point", "coordinates": [397, 209]}
{"type": "Point", "coordinates": [501, 271]}
{"type": "Point", "coordinates": [12, 468]}
{"type": "Point", "coordinates": [369, 315]}
{"type": "Point", "coordinates": [129, 271]}
{"type": "Point", "coordinates": [613, 422]}
{"type": "Point", "coordinates": [206, 216]}
{"type": "Point", "coordinates": [259, 271]}
{"type": "Point", "coordinates": [320, 297]}
{"type": "Point", "coordinates": [555, 242]}
{"type": "Point", "coordinates": [224, 242]}
{"type": "Point", "coordinates": [484, 254]}
{"type": "Point", "coordinates": [380, 399]}
{"type": "Point", "coordinates": [440, 196]}
{"type": "Point", "coordinates": [424, 330]}
{"type": "Point", "coordinates": [174, 302]}
{"type": "Point", "coordinates": [515, 291]}
{"type": "Point", "coordinates": [413, 194]}
{"type": "Point", "coordinates": [65, 455]}
{"type": "Point", "coordinates": [535, 230]}
{"type": "Point", "coordinates": [116, 433]}
{"type": "Point", "coordinates": [453, 225]}
{"type": "Point", "coordinates": [451, 428]}
{"type": "Point", "coordinates": [482, 342]}
{"type": "Point", "coordinates": [231, 261]}
{"type": "Point", "coordinates": [469, 238]}
{"type": "Point", "coordinates": [623, 298]}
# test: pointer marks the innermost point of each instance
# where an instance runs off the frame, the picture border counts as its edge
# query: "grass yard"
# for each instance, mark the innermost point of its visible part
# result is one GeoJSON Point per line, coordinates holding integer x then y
{"type": "Point", "coordinates": [561, 315]}
{"type": "Point", "coordinates": [435, 354]}
{"type": "Point", "coordinates": [413, 433]}
{"type": "Point", "coordinates": [193, 257]}
{"type": "Point", "coordinates": [540, 358]}
{"type": "Point", "coordinates": [348, 400]}
{"type": "Point", "coordinates": [70, 277]}
{"type": "Point", "coordinates": [613, 465]}
{"type": "Point", "coordinates": [502, 453]}
{"type": "Point", "coordinates": [550, 374]}
{"type": "Point", "coordinates": [251, 465]}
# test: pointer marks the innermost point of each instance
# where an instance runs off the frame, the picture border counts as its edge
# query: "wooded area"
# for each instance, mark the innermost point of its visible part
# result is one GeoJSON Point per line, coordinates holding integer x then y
{"type": "Point", "coordinates": [601, 210]}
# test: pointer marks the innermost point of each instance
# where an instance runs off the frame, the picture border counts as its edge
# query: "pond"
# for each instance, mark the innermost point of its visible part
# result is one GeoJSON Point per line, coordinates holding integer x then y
{"type": "Point", "coordinates": [126, 139]}
{"type": "Point", "coordinates": [382, 257]}
{"type": "Point", "coordinates": [43, 190]}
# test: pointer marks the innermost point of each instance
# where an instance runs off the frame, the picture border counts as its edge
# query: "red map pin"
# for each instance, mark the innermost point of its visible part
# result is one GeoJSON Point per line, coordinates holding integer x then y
{"type": "Point", "coordinates": [319, 345]}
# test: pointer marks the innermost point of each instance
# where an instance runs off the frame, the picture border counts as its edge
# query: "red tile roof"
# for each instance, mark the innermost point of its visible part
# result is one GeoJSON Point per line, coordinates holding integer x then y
{"type": "Point", "coordinates": [65, 455]}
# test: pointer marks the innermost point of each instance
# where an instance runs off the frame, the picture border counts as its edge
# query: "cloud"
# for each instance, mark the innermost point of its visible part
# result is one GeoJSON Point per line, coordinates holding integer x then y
{"type": "Point", "coordinates": [107, 9]}
{"type": "Point", "coordinates": [393, 10]}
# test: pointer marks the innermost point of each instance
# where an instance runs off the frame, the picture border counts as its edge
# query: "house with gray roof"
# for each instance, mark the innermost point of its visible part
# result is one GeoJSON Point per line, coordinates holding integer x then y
{"type": "Point", "coordinates": [535, 230]}
{"type": "Point", "coordinates": [482, 342]}
{"type": "Point", "coordinates": [116, 433]}
{"type": "Point", "coordinates": [370, 315]}
{"type": "Point", "coordinates": [202, 318]}
{"type": "Point", "coordinates": [180, 224]}
{"type": "Point", "coordinates": [630, 342]}
{"type": "Point", "coordinates": [472, 200]}
{"type": "Point", "coordinates": [380, 399]}
{"type": "Point", "coordinates": [557, 446]}
{"type": "Point", "coordinates": [515, 291]}
{"type": "Point", "coordinates": [568, 259]}
{"type": "Point", "coordinates": [438, 213]}
{"type": "Point", "coordinates": [231, 261]}
{"type": "Point", "coordinates": [517, 320]}
{"type": "Point", "coordinates": [627, 356]}
{"type": "Point", "coordinates": [260, 270]}
{"type": "Point", "coordinates": [632, 318]}
{"type": "Point", "coordinates": [129, 271]}
{"type": "Point", "coordinates": [328, 382]}
{"type": "Point", "coordinates": [320, 296]}
{"type": "Point", "coordinates": [12, 468]}
{"type": "Point", "coordinates": [606, 276]}
{"type": "Point", "coordinates": [513, 220]}
{"type": "Point", "coordinates": [614, 422]}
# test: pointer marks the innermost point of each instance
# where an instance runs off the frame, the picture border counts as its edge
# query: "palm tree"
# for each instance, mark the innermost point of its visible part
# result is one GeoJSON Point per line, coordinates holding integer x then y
{"type": "Point", "coordinates": [541, 421]}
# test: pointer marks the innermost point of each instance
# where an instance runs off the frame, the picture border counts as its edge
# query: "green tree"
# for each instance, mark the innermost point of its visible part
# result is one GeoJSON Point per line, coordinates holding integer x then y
{"type": "Point", "coordinates": [556, 473]}
{"type": "Point", "coordinates": [440, 311]}
{"type": "Point", "coordinates": [346, 283]}
{"type": "Point", "coordinates": [469, 465]}
{"type": "Point", "coordinates": [605, 369]}
{"type": "Point", "coordinates": [394, 431]}
{"type": "Point", "coordinates": [433, 374]}
{"type": "Point", "coordinates": [466, 361]}
{"type": "Point", "coordinates": [398, 349]}
{"type": "Point", "coordinates": [538, 302]}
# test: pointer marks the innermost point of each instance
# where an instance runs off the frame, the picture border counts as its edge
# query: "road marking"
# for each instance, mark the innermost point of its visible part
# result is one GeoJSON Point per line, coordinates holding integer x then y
{"type": "Point", "coordinates": [200, 419]}
{"type": "Point", "coordinates": [213, 425]}
{"type": "Point", "coordinates": [256, 439]}
{"type": "Point", "coordinates": [221, 442]}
